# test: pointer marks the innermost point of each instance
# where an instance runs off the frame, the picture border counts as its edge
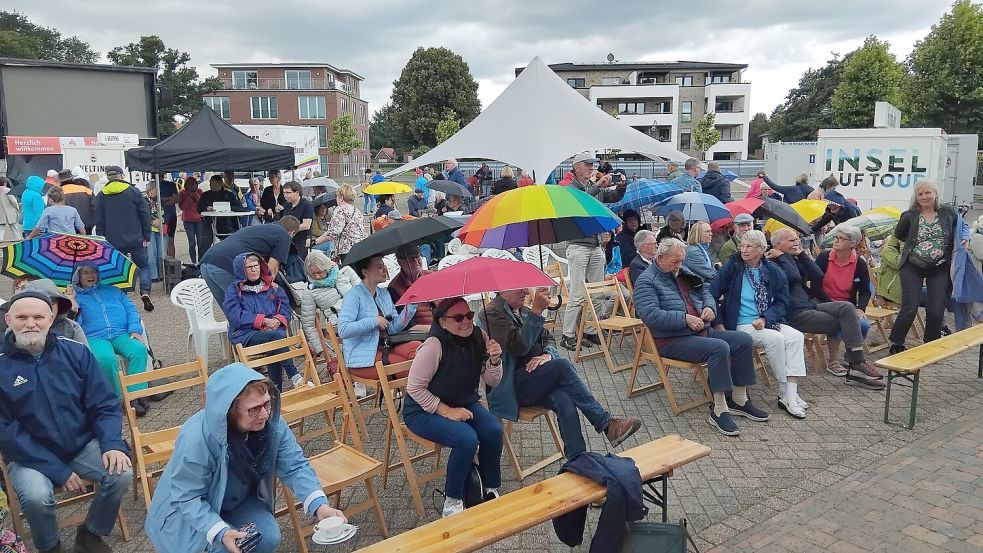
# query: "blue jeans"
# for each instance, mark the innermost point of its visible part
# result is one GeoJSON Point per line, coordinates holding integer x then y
{"type": "Point", "coordinates": [368, 203]}
{"type": "Point", "coordinates": [37, 497]}
{"type": "Point", "coordinates": [463, 439]}
{"type": "Point", "coordinates": [252, 509]}
{"type": "Point", "coordinates": [196, 240]}
{"type": "Point", "coordinates": [727, 354]}
{"type": "Point", "coordinates": [140, 258]}
{"type": "Point", "coordinates": [218, 281]}
{"type": "Point", "coordinates": [155, 252]}
{"type": "Point", "coordinates": [556, 386]}
{"type": "Point", "coordinates": [274, 371]}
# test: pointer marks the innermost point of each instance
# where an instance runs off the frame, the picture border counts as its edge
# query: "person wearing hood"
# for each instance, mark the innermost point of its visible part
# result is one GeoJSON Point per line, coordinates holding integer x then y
{"type": "Point", "coordinates": [79, 195]}
{"type": "Point", "coordinates": [259, 312]}
{"type": "Point", "coordinates": [61, 427]}
{"type": "Point", "coordinates": [123, 217]}
{"type": "Point", "coordinates": [675, 227]}
{"type": "Point", "coordinates": [828, 186]}
{"type": "Point", "coordinates": [626, 238]}
{"type": "Point", "coordinates": [32, 203]}
{"type": "Point", "coordinates": [63, 325]}
{"type": "Point", "coordinates": [113, 327]}
{"type": "Point", "coordinates": [716, 184]}
{"type": "Point", "coordinates": [222, 472]}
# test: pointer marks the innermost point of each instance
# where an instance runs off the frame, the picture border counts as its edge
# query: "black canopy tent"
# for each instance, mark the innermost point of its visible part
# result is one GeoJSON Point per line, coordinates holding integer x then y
{"type": "Point", "coordinates": [207, 143]}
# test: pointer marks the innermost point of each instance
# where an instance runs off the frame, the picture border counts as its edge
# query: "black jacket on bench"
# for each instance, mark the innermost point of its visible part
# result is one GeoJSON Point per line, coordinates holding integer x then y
{"type": "Point", "coordinates": [623, 503]}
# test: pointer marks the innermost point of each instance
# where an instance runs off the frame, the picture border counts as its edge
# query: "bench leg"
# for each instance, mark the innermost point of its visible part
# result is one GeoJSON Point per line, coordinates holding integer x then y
{"type": "Point", "coordinates": [656, 497]}
{"type": "Point", "coordinates": [979, 374]}
{"type": "Point", "coordinates": [914, 400]}
{"type": "Point", "coordinates": [887, 395]}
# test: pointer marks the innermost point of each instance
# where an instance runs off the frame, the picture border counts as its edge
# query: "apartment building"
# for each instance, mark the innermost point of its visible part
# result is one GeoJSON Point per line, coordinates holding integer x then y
{"type": "Point", "coordinates": [666, 99]}
{"type": "Point", "coordinates": [303, 94]}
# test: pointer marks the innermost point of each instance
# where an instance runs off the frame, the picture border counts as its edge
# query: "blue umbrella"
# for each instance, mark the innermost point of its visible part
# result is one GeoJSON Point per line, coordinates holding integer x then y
{"type": "Point", "coordinates": [695, 207]}
{"type": "Point", "coordinates": [645, 192]}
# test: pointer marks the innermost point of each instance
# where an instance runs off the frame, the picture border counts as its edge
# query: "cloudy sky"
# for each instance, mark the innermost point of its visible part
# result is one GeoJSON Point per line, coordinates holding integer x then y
{"type": "Point", "coordinates": [778, 39]}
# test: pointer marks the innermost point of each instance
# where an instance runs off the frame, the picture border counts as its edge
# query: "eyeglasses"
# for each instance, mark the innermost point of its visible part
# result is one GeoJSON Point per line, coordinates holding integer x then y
{"type": "Point", "coordinates": [253, 412]}
{"type": "Point", "coordinates": [248, 267]}
{"type": "Point", "coordinates": [459, 318]}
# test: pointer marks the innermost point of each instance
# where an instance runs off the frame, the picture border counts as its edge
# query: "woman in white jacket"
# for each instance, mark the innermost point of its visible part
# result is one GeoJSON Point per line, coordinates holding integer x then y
{"type": "Point", "coordinates": [326, 284]}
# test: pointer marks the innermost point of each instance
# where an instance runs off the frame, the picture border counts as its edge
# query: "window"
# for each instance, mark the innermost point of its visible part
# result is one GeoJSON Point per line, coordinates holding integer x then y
{"type": "Point", "coordinates": [220, 104]}
{"type": "Point", "coordinates": [608, 81]}
{"type": "Point", "coordinates": [577, 83]}
{"type": "Point", "coordinates": [322, 138]}
{"type": "Point", "coordinates": [310, 107]}
{"type": "Point", "coordinates": [724, 106]}
{"type": "Point", "coordinates": [324, 165]}
{"type": "Point", "coordinates": [298, 79]}
{"type": "Point", "coordinates": [631, 107]}
{"type": "Point", "coordinates": [685, 141]}
{"type": "Point", "coordinates": [245, 80]}
{"type": "Point", "coordinates": [720, 78]}
{"type": "Point", "coordinates": [686, 114]}
{"type": "Point", "coordinates": [730, 133]}
{"type": "Point", "coordinates": [661, 133]}
{"type": "Point", "coordinates": [263, 107]}
{"type": "Point", "coordinates": [684, 80]}
{"type": "Point", "coordinates": [663, 107]}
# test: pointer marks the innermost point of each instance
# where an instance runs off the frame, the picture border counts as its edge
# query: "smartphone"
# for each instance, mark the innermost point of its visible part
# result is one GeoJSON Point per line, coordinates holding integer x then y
{"type": "Point", "coordinates": [616, 178]}
{"type": "Point", "coordinates": [251, 540]}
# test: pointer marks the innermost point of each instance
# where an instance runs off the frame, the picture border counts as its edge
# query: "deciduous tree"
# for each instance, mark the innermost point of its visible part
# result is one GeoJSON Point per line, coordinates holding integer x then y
{"type": "Point", "coordinates": [705, 134]}
{"type": "Point", "coordinates": [343, 139]}
{"type": "Point", "coordinates": [20, 38]}
{"type": "Point", "coordinates": [807, 107]}
{"type": "Point", "coordinates": [758, 126]}
{"type": "Point", "coordinates": [447, 126]}
{"type": "Point", "coordinates": [871, 74]}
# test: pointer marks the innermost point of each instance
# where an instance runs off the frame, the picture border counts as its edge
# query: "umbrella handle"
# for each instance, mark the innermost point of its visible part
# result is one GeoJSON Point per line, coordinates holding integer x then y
{"type": "Point", "coordinates": [559, 303]}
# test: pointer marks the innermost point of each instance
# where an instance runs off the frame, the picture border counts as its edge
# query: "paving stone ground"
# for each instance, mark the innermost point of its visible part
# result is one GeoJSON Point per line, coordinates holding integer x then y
{"type": "Point", "coordinates": [840, 480]}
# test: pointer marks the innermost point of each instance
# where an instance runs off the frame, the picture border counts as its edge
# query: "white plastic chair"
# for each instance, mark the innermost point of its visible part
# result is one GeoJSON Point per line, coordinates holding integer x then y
{"type": "Point", "coordinates": [498, 254]}
{"type": "Point", "coordinates": [196, 299]}
{"type": "Point", "coordinates": [392, 266]}
{"type": "Point", "coordinates": [449, 260]}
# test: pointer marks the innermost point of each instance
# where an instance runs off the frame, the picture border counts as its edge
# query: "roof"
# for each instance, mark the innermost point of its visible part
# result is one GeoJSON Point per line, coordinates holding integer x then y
{"type": "Point", "coordinates": [14, 62]}
{"type": "Point", "coordinates": [303, 65]}
{"type": "Point", "coordinates": [644, 66]}
{"type": "Point", "coordinates": [389, 152]}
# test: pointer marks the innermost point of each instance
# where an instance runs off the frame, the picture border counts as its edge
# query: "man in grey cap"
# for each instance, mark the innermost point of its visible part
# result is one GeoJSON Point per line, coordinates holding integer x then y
{"type": "Point", "coordinates": [62, 305]}
{"type": "Point", "coordinates": [742, 223]}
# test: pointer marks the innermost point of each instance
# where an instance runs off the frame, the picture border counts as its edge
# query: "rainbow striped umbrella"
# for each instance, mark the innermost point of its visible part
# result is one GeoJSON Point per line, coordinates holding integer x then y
{"type": "Point", "coordinates": [55, 256]}
{"type": "Point", "coordinates": [534, 215]}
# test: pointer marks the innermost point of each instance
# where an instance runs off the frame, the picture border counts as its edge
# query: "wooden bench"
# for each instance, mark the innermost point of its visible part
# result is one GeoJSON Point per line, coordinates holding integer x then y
{"type": "Point", "coordinates": [908, 364]}
{"type": "Point", "coordinates": [535, 504]}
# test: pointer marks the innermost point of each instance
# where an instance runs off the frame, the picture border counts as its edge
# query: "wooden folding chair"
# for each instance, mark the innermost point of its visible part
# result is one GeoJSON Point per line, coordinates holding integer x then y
{"type": "Point", "coordinates": [398, 429]}
{"type": "Point", "coordinates": [329, 337]}
{"type": "Point", "coordinates": [814, 344]}
{"type": "Point", "coordinates": [618, 321]}
{"type": "Point", "coordinates": [17, 514]}
{"type": "Point", "coordinates": [530, 414]}
{"type": "Point", "coordinates": [630, 300]}
{"type": "Point", "coordinates": [152, 450]}
{"type": "Point", "coordinates": [649, 352]}
{"type": "Point", "coordinates": [338, 468]}
{"type": "Point", "coordinates": [759, 364]}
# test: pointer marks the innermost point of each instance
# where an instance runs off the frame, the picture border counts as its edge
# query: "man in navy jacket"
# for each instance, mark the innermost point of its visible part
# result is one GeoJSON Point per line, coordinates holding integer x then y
{"type": "Point", "coordinates": [60, 426]}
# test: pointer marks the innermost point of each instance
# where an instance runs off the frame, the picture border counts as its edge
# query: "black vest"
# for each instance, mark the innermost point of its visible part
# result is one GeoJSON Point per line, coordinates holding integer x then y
{"type": "Point", "coordinates": [457, 376]}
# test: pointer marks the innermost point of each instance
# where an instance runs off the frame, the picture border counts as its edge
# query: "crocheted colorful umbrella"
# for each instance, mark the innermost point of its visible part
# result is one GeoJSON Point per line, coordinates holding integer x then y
{"type": "Point", "coordinates": [56, 256]}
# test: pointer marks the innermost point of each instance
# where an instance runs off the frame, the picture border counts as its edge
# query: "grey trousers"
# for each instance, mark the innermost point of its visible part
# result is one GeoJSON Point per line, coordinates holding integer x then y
{"type": "Point", "coordinates": [586, 265]}
{"type": "Point", "coordinates": [829, 318]}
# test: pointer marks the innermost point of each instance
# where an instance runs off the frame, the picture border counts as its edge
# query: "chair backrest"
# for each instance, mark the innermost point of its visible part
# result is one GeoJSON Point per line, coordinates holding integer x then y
{"type": "Point", "coordinates": [185, 375]}
{"type": "Point", "coordinates": [388, 386]}
{"type": "Point", "coordinates": [391, 264]}
{"type": "Point", "coordinates": [594, 289]}
{"type": "Point", "coordinates": [541, 255]}
{"type": "Point", "coordinates": [328, 336]}
{"type": "Point", "coordinates": [296, 344]}
{"type": "Point", "coordinates": [325, 398]}
{"type": "Point", "coordinates": [196, 299]}
{"type": "Point", "coordinates": [630, 300]}
{"type": "Point", "coordinates": [498, 254]}
{"type": "Point", "coordinates": [454, 246]}
{"type": "Point", "coordinates": [449, 260]}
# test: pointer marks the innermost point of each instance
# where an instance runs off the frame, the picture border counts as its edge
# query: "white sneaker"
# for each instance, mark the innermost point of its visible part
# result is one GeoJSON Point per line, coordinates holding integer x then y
{"type": "Point", "coordinates": [361, 391]}
{"type": "Point", "coordinates": [792, 409]}
{"type": "Point", "coordinates": [452, 507]}
{"type": "Point", "coordinates": [298, 380]}
{"type": "Point", "coordinates": [802, 403]}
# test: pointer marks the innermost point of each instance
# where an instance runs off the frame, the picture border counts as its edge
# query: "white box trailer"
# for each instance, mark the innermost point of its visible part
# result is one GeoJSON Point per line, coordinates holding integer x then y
{"type": "Point", "coordinates": [960, 171]}
{"type": "Point", "coordinates": [785, 161]}
{"type": "Point", "coordinates": [304, 141]}
{"type": "Point", "coordinates": [881, 166]}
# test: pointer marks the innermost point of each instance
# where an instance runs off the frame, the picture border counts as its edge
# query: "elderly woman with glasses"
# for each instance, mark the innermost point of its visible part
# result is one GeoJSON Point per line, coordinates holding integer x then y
{"type": "Point", "coordinates": [225, 461]}
{"type": "Point", "coordinates": [754, 299]}
{"type": "Point", "coordinates": [443, 404]}
{"type": "Point", "coordinates": [326, 285]}
{"type": "Point", "coordinates": [699, 260]}
{"type": "Point", "coordinates": [845, 274]}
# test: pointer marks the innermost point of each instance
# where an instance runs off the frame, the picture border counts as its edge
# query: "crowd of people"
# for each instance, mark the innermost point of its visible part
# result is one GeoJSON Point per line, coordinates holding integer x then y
{"type": "Point", "coordinates": [706, 294]}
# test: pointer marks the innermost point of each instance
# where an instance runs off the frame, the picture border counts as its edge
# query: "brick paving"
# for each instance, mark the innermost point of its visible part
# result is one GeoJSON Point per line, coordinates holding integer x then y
{"type": "Point", "coordinates": [840, 480]}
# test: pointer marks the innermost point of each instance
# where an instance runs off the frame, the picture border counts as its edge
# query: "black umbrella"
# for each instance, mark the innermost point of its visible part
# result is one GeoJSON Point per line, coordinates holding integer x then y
{"type": "Point", "coordinates": [450, 187]}
{"type": "Point", "coordinates": [398, 234]}
{"type": "Point", "coordinates": [330, 197]}
{"type": "Point", "coordinates": [783, 213]}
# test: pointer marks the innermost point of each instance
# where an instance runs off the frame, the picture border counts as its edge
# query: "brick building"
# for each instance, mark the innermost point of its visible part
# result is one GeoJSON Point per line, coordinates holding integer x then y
{"type": "Point", "coordinates": [300, 94]}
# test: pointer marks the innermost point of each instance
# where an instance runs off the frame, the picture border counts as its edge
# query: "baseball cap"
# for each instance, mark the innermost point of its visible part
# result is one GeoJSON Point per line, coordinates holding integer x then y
{"type": "Point", "coordinates": [112, 170]}
{"type": "Point", "coordinates": [584, 157]}
{"type": "Point", "coordinates": [66, 175]}
{"type": "Point", "coordinates": [743, 218]}
{"type": "Point", "coordinates": [30, 294]}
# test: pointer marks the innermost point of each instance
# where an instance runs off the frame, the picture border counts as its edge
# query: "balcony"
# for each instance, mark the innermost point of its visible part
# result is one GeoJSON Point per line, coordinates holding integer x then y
{"type": "Point", "coordinates": [284, 84]}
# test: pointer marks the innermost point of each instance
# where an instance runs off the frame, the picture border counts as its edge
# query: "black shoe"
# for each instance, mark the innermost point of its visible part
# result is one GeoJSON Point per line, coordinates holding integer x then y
{"type": "Point", "coordinates": [145, 403]}
{"type": "Point", "coordinates": [946, 330]}
{"type": "Point", "coordinates": [593, 339]}
{"type": "Point", "coordinates": [87, 542]}
{"type": "Point", "coordinates": [148, 305]}
{"type": "Point", "coordinates": [569, 342]}
{"type": "Point", "coordinates": [160, 397]}
{"type": "Point", "coordinates": [139, 407]}
{"type": "Point", "coordinates": [897, 348]}
{"type": "Point", "coordinates": [55, 549]}
{"type": "Point", "coordinates": [491, 495]}
{"type": "Point", "coordinates": [748, 411]}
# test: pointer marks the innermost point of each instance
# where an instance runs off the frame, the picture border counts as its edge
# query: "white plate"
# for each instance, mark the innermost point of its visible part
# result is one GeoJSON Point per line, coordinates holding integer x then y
{"type": "Point", "coordinates": [347, 532]}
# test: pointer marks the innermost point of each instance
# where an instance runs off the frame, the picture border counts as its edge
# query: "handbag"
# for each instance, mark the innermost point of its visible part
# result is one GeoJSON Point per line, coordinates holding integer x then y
{"type": "Point", "coordinates": [657, 537]}
{"type": "Point", "coordinates": [923, 262]}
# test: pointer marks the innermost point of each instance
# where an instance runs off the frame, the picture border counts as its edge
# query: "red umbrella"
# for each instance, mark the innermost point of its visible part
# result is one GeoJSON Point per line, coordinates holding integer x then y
{"type": "Point", "coordinates": [475, 276]}
{"type": "Point", "coordinates": [747, 205]}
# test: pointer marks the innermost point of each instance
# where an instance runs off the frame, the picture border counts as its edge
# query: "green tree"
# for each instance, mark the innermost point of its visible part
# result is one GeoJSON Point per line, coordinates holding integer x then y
{"type": "Point", "coordinates": [870, 75]}
{"type": "Point", "coordinates": [19, 38]}
{"type": "Point", "coordinates": [758, 126]}
{"type": "Point", "coordinates": [343, 139]}
{"type": "Point", "coordinates": [447, 126]}
{"type": "Point", "coordinates": [383, 129]}
{"type": "Point", "coordinates": [420, 150]}
{"type": "Point", "coordinates": [173, 74]}
{"type": "Point", "coordinates": [705, 135]}
{"type": "Point", "coordinates": [433, 81]}
{"type": "Point", "coordinates": [944, 89]}
{"type": "Point", "coordinates": [807, 107]}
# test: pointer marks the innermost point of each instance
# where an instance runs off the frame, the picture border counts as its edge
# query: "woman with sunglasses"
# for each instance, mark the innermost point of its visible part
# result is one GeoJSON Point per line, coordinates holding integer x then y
{"type": "Point", "coordinates": [442, 403]}
{"type": "Point", "coordinates": [222, 473]}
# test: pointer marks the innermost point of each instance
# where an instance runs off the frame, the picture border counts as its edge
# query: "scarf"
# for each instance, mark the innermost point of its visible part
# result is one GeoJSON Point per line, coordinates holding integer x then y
{"type": "Point", "coordinates": [326, 282]}
{"type": "Point", "coordinates": [250, 454]}
{"type": "Point", "coordinates": [759, 284]}
{"type": "Point", "coordinates": [254, 286]}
